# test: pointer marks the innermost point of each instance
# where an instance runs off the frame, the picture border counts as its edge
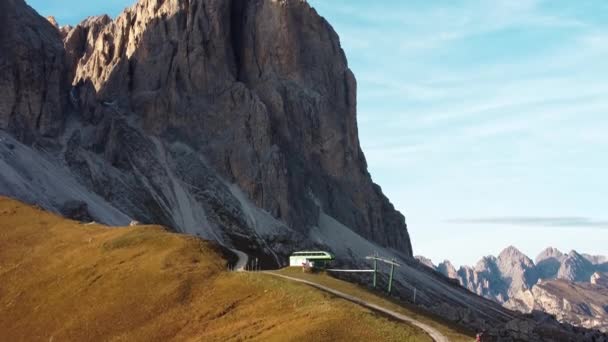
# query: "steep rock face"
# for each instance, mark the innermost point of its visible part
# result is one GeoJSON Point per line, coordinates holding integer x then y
{"type": "Point", "coordinates": [232, 120]}
{"type": "Point", "coordinates": [466, 277]}
{"type": "Point", "coordinates": [78, 46]}
{"type": "Point", "coordinates": [261, 88]}
{"type": "Point", "coordinates": [32, 73]}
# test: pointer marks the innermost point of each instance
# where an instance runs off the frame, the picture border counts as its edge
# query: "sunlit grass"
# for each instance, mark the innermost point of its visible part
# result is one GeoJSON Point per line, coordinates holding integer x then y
{"type": "Point", "coordinates": [61, 280]}
{"type": "Point", "coordinates": [450, 330]}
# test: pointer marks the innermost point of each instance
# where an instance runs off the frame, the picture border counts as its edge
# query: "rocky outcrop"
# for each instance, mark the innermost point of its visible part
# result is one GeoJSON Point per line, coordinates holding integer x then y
{"type": "Point", "coordinates": [425, 261]}
{"type": "Point", "coordinates": [32, 73]}
{"type": "Point", "coordinates": [599, 279]}
{"type": "Point", "coordinates": [51, 19]}
{"type": "Point", "coordinates": [76, 210]}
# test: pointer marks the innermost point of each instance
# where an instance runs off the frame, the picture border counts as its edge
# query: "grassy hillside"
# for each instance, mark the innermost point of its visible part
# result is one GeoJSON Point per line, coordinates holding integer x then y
{"type": "Point", "coordinates": [450, 330]}
{"type": "Point", "coordinates": [61, 280]}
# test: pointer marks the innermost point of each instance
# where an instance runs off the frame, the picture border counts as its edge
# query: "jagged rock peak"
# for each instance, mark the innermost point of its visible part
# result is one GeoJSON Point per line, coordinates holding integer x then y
{"type": "Point", "coordinates": [447, 269]}
{"type": "Point", "coordinates": [63, 30]}
{"type": "Point", "coordinates": [549, 252]}
{"type": "Point", "coordinates": [512, 253]}
{"type": "Point", "coordinates": [53, 21]}
{"type": "Point", "coordinates": [517, 269]}
{"type": "Point", "coordinates": [425, 261]}
{"type": "Point", "coordinates": [575, 267]}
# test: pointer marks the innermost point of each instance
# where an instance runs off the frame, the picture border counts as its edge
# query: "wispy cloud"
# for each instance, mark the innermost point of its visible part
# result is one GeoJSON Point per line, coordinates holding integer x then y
{"type": "Point", "coordinates": [566, 221]}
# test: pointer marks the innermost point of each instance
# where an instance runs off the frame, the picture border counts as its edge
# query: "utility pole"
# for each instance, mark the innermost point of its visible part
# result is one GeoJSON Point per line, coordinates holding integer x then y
{"type": "Point", "coordinates": [375, 268]}
{"type": "Point", "coordinates": [391, 262]}
{"type": "Point", "coordinates": [390, 278]}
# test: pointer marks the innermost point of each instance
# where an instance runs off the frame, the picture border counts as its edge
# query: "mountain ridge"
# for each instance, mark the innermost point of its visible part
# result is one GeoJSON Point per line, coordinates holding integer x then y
{"type": "Point", "coordinates": [571, 286]}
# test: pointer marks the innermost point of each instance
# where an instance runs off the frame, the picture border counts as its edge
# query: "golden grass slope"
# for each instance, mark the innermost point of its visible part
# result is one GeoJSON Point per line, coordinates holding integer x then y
{"type": "Point", "coordinates": [452, 331]}
{"type": "Point", "coordinates": [61, 280]}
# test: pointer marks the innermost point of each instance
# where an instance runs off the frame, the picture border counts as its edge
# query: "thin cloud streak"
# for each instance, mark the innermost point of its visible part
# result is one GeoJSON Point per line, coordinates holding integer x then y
{"type": "Point", "coordinates": [569, 222]}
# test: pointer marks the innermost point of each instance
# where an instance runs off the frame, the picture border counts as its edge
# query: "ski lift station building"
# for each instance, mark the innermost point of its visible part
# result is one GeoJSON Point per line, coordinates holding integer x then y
{"type": "Point", "coordinates": [311, 258]}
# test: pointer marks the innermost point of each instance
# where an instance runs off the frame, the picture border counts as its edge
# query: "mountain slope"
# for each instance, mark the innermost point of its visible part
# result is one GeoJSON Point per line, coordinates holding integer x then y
{"type": "Point", "coordinates": [62, 280]}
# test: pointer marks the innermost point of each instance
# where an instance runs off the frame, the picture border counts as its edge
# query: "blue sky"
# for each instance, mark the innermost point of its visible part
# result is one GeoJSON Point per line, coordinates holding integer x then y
{"type": "Point", "coordinates": [485, 122]}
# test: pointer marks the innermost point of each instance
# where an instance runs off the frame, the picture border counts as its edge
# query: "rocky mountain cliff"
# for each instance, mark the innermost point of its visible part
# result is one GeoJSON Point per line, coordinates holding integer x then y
{"type": "Point", "coordinates": [233, 120]}
{"type": "Point", "coordinates": [33, 86]}
{"type": "Point", "coordinates": [571, 286]}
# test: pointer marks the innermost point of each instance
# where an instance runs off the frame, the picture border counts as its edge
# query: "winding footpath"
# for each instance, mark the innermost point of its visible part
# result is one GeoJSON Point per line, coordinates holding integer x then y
{"type": "Point", "coordinates": [434, 333]}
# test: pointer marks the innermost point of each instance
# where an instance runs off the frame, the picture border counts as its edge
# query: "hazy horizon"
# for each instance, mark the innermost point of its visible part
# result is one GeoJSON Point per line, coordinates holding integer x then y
{"type": "Point", "coordinates": [484, 123]}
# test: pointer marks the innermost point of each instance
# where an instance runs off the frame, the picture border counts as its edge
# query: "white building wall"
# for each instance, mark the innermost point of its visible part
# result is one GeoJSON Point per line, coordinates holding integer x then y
{"type": "Point", "coordinates": [297, 260]}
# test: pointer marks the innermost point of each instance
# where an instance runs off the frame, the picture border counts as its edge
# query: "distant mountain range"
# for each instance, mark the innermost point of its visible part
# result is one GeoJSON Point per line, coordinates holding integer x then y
{"type": "Point", "coordinates": [573, 286]}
